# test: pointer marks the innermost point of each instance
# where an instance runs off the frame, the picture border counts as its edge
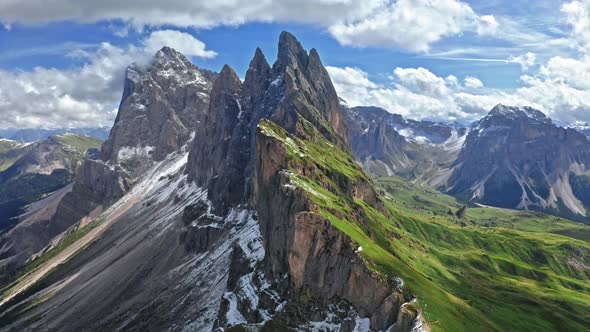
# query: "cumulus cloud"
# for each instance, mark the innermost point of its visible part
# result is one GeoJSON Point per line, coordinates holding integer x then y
{"type": "Point", "coordinates": [420, 94]}
{"type": "Point", "coordinates": [577, 14]}
{"type": "Point", "coordinates": [525, 61]}
{"type": "Point", "coordinates": [472, 83]}
{"type": "Point", "coordinates": [180, 41]}
{"type": "Point", "coordinates": [421, 81]}
{"type": "Point", "coordinates": [81, 96]}
{"type": "Point", "coordinates": [408, 24]}
{"type": "Point", "coordinates": [200, 14]}
{"type": "Point", "coordinates": [412, 24]}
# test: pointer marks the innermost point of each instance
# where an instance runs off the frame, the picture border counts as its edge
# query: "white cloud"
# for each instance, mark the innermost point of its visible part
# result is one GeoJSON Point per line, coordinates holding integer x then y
{"type": "Point", "coordinates": [84, 95]}
{"type": "Point", "coordinates": [422, 81]}
{"type": "Point", "coordinates": [418, 93]}
{"type": "Point", "coordinates": [180, 41]}
{"type": "Point", "coordinates": [577, 14]}
{"type": "Point", "coordinates": [200, 14]}
{"type": "Point", "coordinates": [472, 83]}
{"type": "Point", "coordinates": [356, 86]}
{"type": "Point", "coordinates": [487, 25]}
{"type": "Point", "coordinates": [412, 24]}
{"type": "Point", "coordinates": [407, 24]}
{"type": "Point", "coordinates": [525, 61]}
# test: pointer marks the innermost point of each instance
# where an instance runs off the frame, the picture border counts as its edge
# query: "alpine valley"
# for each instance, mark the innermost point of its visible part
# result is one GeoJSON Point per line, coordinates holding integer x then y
{"type": "Point", "coordinates": [269, 204]}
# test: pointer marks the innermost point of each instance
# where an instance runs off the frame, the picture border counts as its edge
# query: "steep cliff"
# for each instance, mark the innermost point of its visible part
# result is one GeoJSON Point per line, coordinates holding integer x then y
{"type": "Point", "coordinates": [239, 160]}
{"type": "Point", "coordinates": [518, 158]}
{"type": "Point", "coordinates": [162, 104]}
{"type": "Point", "coordinates": [388, 144]}
{"type": "Point", "coordinates": [42, 168]}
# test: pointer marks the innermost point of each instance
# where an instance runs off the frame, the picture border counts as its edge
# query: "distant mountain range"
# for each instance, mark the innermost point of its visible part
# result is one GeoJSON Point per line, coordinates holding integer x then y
{"type": "Point", "coordinates": [582, 127]}
{"type": "Point", "coordinates": [28, 171]}
{"type": "Point", "coordinates": [512, 158]}
{"type": "Point", "coordinates": [388, 144]}
{"type": "Point", "coordinates": [28, 135]}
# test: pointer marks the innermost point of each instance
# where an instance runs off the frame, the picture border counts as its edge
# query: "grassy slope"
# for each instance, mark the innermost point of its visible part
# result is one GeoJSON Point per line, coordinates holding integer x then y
{"type": "Point", "coordinates": [19, 191]}
{"type": "Point", "coordinates": [10, 151]}
{"type": "Point", "coordinates": [79, 142]}
{"type": "Point", "coordinates": [466, 277]}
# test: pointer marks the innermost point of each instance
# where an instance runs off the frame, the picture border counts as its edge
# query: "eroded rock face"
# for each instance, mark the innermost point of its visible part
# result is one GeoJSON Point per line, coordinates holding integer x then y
{"type": "Point", "coordinates": [239, 165]}
{"type": "Point", "coordinates": [222, 156]}
{"type": "Point", "coordinates": [320, 260]}
{"type": "Point", "coordinates": [517, 158]}
{"type": "Point", "coordinates": [388, 144]}
{"type": "Point", "coordinates": [162, 104]}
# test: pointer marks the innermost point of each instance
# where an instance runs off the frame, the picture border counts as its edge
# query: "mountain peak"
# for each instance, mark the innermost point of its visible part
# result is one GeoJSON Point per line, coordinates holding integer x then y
{"type": "Point", "coordinates": [168, 52]}
{"type": "Point", "coordinates": [227, 74]}
{"type": "Point", "coordinates": [291, 53]}
{"type": "Point", "coordinates": [514, 112]}
{"type": "Point", "coordinates": [258, 74]}
{"type": "Point", "coordinates": [259, 62]}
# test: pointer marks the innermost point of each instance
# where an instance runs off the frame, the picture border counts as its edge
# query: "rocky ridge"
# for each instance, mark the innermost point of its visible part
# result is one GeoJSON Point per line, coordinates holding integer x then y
{"type": "Point", "coordinates": [157, 109]}
{"type": "Point", "coordinates": [42, 168]}
{"type": "Point", "coordinates": [232, 208]}
{"type": "Point", "coordinates": [388, 144]}
{"type": "Point", "coordinates": [518, 158]}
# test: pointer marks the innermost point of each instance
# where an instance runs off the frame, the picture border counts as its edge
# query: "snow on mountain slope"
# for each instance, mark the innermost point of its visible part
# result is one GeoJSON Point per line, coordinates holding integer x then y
{"type": "Point", "coordinates": [518, 158]}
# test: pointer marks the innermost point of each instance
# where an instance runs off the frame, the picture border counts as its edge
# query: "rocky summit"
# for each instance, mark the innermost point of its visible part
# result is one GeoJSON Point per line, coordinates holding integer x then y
{"type": "Point", "coordinates": [218, 204]}
{"type": "Point", "coordinates": [514, 157]}
{"type": "Point", "coordinates": [518, 158]}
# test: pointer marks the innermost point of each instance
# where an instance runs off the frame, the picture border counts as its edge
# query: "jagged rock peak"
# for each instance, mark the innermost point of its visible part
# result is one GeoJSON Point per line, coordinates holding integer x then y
{"type": "Point", "coordinates": [227, 79]}
{"type": "Point", "coordinates": [168, 54]}
{"type": "Point", "coordinates": [291, 53]}
{"type": "Point", "coordinates": [258, 75]}
{"type": "Point", "coordinates": [513, 112]}
{"type": "Point", "coordinates": [259, 58]}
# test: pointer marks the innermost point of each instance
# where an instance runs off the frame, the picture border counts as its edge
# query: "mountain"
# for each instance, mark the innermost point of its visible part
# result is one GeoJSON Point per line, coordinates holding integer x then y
{"type": "Point", "coordinates": [518, 158]}
{"type": "Point", "coordinates": [37, 169]}
{"type": "Point", "coordinates": [226, 208]}
{"type": "Point", "coordinates": [10, 151]}
{"type": "Point", "coordinates": [29, 135]}
{"type": "Point", "coordinates": [254, 215]}
{"type": "Point", "coordinates": [387, 144]}
{"type": "Point", "coordinates": [582, 127]}
{"type": "Point", "coordinates": [147, 117]}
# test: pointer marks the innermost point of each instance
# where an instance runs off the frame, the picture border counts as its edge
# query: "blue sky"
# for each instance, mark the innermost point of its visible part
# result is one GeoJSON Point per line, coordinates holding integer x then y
{"type": "Point", "coordinates": [426, 59]}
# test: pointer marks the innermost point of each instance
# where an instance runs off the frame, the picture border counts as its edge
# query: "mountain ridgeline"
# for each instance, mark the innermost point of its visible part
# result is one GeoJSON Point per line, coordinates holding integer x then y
{"type": "Point", "coordinates": [221, 204]}
{"type": "Point", "coordinates": [234, 209]}
{"type": "Point", "coordinates": [33, 172]}
{"type": "Point", "coordinates": [512, 158]}
{"type": "Point", "coordinates": [517, 158]}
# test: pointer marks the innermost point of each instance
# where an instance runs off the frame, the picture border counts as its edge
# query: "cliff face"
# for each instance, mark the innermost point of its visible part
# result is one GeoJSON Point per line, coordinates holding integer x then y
{"type": "Point", "coordinates": [387, 144]}
{"type": "Point", "coordinates": [245, 226]}
{"type": "Point", "coordinates": [517, 158]}
{"type": "Point", "coordinates": [322, 262]}
{"type": "Point", "coordinates": [297, 86]}
{"type": "Point", "coordinates": [239, 162]}
{"type": "Point", "coordinates": [162, 104]}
